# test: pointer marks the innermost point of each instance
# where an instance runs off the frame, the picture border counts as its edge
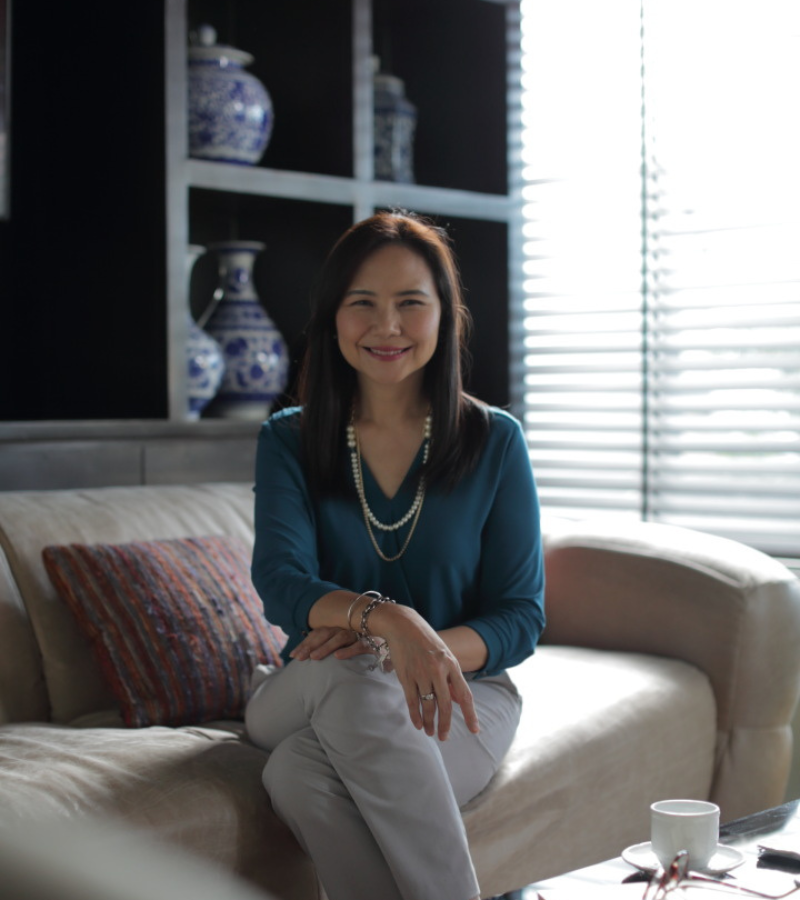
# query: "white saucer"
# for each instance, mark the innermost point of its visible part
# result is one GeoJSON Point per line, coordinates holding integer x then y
{"type": "Point", "coordinates": [641, 856]}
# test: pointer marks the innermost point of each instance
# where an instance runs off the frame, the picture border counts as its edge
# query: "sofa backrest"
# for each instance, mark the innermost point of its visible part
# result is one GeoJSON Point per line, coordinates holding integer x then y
{"type": "Point", "coordinates": [47, 672]}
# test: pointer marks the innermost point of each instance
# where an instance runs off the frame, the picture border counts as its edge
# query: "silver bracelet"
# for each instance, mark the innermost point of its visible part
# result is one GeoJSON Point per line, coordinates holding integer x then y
{"type": "Point", "coordinates": [382, 649]}
{"type": "Point", "coordinates": [364, 630]}
{"type": "Point", "coordinates": [353, 605]}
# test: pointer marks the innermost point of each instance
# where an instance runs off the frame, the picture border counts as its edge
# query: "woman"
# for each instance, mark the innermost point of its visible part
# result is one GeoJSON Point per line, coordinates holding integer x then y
{"type": "Point", "coordinates": [397, 544]}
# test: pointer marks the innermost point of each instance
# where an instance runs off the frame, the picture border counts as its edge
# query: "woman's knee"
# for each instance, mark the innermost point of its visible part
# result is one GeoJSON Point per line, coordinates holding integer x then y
{"type": "Point", "coordinates": [283, 773]}
{"type": "Point", "coordinates": [297, 771]}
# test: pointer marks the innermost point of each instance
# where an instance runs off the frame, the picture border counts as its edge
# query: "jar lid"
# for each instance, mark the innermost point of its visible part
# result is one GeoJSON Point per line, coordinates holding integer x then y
{"type": "Point", "coordinates": [204, 48]}
{"type": "Point", "coordinates": [389, 83]}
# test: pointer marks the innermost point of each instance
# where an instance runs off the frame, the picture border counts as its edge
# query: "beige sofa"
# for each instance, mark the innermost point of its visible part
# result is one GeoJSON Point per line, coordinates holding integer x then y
{"type": "Point", "coordinates": [671, 667]}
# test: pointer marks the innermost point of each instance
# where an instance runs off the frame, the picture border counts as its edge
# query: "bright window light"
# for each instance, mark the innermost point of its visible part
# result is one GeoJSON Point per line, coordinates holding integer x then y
{"type": "Point", "coordinates": [657, 364]}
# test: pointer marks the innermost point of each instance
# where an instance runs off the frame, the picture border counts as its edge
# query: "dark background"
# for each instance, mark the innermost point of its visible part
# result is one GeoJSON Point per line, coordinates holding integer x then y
{"type": "Point", "coordinates": [82, 255]}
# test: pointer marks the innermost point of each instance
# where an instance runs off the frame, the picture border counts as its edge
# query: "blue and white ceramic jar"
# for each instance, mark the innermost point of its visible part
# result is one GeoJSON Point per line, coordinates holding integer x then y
{"type": "Point", "coordinates": [395, 120]}
{"type": "Point", "coordinates": [256, 355]}
{"type": "Point", "coordinates": [230, 110]}
{"type": "Point", "coordinates": [204, 360]}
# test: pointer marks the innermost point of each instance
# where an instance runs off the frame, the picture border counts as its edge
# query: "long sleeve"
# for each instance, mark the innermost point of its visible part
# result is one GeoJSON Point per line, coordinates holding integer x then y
{"type": "Point", "coordinates": [285, 567]}
{"type": "Point", "coordinates": [511, 577]}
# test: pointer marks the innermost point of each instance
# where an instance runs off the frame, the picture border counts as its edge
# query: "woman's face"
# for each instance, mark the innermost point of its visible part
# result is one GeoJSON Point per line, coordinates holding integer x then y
{"type": "Point", "coordinates": [388, 321]}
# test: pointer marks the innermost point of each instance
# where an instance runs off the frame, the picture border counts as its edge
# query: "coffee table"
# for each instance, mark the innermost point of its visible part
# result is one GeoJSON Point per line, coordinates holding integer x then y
{"type": "Point", "coordinates": [763, 873]}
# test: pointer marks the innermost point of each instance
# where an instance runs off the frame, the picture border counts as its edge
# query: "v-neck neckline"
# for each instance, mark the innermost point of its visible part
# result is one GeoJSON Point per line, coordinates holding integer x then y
{"type": "Point", "coordinates": [375, 489]}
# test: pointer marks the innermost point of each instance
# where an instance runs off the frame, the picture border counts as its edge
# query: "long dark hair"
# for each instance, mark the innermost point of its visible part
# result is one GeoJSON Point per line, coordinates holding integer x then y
{"type": "Point", "coordinates": [327, 384]}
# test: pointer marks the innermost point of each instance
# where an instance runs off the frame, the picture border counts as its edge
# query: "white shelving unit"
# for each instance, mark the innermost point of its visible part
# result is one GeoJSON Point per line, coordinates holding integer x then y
{"type": "Point", "coordinates": [74, 454]}
{"type": "Point", "coordinates": [361, 193]}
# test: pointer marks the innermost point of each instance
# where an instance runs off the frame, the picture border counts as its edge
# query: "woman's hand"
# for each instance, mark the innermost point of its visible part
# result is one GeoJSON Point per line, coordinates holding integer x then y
{"type": "Point", "coordinates": [425, 665]}
{"type": "Point", "coordinates": [321, 642]}
{"type": "Point", "coordinates": [425, 661]}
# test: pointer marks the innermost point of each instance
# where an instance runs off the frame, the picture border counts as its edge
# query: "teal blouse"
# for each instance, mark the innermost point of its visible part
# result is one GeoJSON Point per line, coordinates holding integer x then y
{"type": "Point", "coordinates": [475, 558]}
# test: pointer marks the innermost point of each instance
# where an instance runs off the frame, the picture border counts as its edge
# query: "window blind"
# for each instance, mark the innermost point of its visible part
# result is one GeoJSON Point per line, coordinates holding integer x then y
{"type": "Point", "coordinates": [656, 352]}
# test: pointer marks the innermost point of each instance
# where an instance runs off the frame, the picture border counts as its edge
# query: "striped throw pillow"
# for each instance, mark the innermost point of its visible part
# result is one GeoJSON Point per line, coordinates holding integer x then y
{"type": "Point", "coordinates": [176, 625]}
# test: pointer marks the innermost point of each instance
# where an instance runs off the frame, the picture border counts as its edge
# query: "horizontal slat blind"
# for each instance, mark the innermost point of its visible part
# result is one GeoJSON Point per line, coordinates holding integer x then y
{"type": "Point", "coordinates": [657, 354]}
{"type": "Point", "coordinates": [723, 267]}
{"type": "Point", "coordinates": [577, 369]}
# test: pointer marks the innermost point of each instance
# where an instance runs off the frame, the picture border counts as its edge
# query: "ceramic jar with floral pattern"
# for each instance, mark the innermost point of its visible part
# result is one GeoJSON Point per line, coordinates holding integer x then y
{"type": "Point", "coordinates": [230, 110]}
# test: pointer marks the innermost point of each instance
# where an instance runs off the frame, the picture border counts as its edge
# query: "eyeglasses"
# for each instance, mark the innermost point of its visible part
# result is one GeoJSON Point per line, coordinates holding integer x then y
{"type": "Point", "coordinates": [677, 875]}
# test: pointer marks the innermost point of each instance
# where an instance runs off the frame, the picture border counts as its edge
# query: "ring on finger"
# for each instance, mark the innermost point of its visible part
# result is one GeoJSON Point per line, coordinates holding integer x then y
{"type": "Point", "coordinates": [430, 696]}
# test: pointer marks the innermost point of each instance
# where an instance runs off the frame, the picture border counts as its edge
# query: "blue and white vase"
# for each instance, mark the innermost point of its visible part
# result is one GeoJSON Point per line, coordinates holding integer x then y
{"type": "Point", "coordinates": [256, 355]}
{"type": "Point", "coordinates": [204, 360]}
{"type": "Point", "coordinates": [230, 110]}
{"type": "Point", "coordinates": [395, 121]}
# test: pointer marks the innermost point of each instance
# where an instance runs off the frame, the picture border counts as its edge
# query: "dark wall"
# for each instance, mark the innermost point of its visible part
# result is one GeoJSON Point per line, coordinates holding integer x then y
{"type": "Point", "coordinates": [82, 256]}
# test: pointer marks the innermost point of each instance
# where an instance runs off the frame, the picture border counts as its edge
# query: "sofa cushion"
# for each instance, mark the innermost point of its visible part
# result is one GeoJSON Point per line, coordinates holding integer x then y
{"type": "Point", "coordinates": [176, 625]}
{"type": "Point", "coordinates": [23, 690]}
{"type": "Point", "coordinates": [602, 735]}
{"type": "Point", "coordinates": [105, 859]}
{"type": "Point", "coordinates": [198, 788]}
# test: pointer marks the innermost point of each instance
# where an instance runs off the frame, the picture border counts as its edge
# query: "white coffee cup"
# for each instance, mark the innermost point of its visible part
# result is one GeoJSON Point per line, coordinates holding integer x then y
{"type": "Point", "coordinates": [690, 825]}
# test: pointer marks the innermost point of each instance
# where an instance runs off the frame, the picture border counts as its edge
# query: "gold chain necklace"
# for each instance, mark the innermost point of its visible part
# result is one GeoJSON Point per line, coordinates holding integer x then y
{"type": "Point", "coordinates": [370, 519]}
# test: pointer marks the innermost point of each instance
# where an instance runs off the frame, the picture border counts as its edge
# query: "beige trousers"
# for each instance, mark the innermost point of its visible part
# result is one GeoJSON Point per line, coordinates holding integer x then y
{"type": "Point", "coordinates": [372, 800]}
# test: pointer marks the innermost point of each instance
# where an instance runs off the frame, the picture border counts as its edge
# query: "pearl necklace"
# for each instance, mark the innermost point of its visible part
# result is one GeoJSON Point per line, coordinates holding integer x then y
{"type": "Point", "coordinates": [370, 519]}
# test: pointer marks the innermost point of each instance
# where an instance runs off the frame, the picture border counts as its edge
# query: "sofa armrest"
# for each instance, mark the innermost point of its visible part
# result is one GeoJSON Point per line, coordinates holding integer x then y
{"type": "Point", "coordinates": [727, 609]}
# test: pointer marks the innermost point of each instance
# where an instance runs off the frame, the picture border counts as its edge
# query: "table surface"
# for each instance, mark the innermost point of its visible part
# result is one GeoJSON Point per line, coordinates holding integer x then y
{"type": "Point", "coordinates": [768, 874]}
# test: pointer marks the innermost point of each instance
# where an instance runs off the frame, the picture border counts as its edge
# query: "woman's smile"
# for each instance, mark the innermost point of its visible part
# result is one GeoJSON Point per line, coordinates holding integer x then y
{"type": "Point", "coordinates": [387, 354]}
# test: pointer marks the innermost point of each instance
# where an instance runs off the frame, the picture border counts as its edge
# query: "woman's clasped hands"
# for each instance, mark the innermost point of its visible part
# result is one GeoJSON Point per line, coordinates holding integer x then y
{"type": "Point", "coordinates": [428, 672]}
